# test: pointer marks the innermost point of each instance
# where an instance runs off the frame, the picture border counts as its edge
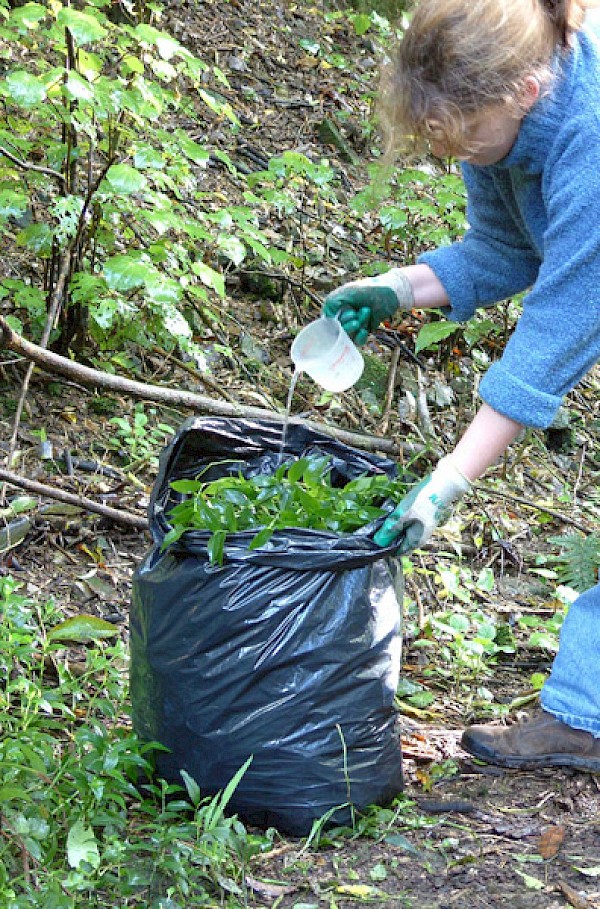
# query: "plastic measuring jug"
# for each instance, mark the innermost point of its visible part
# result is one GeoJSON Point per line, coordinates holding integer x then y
{"type": "Point", "coordinates": [327, 354]}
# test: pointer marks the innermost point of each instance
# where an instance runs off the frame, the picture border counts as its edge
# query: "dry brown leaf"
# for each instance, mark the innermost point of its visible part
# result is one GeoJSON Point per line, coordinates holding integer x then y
{"type": "Point", "coordinates": [551, 840]}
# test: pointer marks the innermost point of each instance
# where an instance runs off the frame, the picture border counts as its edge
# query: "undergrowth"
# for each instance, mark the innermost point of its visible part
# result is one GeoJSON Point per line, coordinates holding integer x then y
{"type": "Point", "coordinates": [82, 819]}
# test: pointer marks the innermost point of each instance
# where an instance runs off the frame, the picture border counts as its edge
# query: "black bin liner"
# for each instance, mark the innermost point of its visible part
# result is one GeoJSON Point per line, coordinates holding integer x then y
{"type": "Point", "coordinates": [289, 653]}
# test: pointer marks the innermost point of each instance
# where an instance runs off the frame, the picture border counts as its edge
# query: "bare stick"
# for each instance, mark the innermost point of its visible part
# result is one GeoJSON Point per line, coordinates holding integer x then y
{"type": "Point", "coordinates": [24, 165]}
{"type": "Point", "coordinates": [389, 392]}
{"type": "Point", "coordinates": [70, 498]}
{"type": "Point", "coordinates": [93, 378]}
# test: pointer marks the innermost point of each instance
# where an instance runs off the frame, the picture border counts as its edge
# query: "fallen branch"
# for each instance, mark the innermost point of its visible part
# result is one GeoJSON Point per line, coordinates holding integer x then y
{"type": "Point", "coordinates": [498, 494]}
{"type": "Point", "coordinates": [94, 378]}
{"type": "Point", "coordinates": [573, 898]}
{"type": "Point", "coordinates": [70, 498]}
{"type": "Point", "coordinates": [25, 165]}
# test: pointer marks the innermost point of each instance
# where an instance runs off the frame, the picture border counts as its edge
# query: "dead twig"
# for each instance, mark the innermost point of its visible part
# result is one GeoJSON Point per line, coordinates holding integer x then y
{"type": "Point", "coordinates": [423, 414]}
{"type": "Point", "coordinates": [70, 498]}
{"type": "Point", "coordinates": [485, 490]}
{"type": "Point", "coordinates": [25, 165]}
{"type": "Point", "coordinates": [55, 302]}
{"type": "Point", "coordinates": [93, 378]}
{"type": "Point", "coordinates": [389, 391]}
{"type": "Point", "coordinates": [574, 898]}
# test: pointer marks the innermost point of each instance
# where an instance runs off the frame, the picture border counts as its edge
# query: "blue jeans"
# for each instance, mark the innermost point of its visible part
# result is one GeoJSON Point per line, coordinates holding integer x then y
{"type": "Point", "coordinates": [572, 693]}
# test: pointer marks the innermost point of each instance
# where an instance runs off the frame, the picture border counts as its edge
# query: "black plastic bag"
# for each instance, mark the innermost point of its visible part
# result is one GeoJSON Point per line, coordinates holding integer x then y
{"type": "Point", "coordinates": [289, 653]}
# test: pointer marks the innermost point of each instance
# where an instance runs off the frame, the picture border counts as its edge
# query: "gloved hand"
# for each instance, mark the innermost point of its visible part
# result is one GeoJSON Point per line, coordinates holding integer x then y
{"type": "Point", "coordinates": [424, 508]}
{"type": "Point", "coordinates": [362, 305]}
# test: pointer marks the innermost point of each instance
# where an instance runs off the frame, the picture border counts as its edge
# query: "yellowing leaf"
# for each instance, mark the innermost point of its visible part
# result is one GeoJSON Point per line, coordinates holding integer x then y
{"type": "Point", "coordinates": [358, 891]}
{"type": "Point", "coordinates": [82, 628]}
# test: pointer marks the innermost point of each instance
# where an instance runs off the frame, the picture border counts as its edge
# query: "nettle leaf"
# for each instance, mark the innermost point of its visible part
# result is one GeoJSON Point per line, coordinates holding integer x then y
{"type": "Point", "coordinates": [104, 312]}
{"type": "Point", "coordinates": [176, 324]}
{"type": "Point", "coordinates": [83, 27]}
{"type": "Point", "coordinates": [432, 333]}
{"type": "Point", "coordinates": [216, 547]}
{"type": "Point", "coordinates": [37, 237]}
{"type": "Point", "coordinates": [146, 156]}
{"type": "Point", "coordinates": [76, 88]}
{"type": "Point", "coordinates": [166, 46]}
{"type": "Point", "coordinates": [126, 273]}
{"type": "Point", "coordinates": [267, 502]}
{"type": "Point", "coordinates": [85, 287]}
{"type": "Point", "coordinates": [233, 248]}
{"type": "Point", "coordinates": [27, 16]}
{"type": "Point", "coordinates": [13, 203]}
{"type": "Point", "coordinates": [161, 289]}
{"type": "Point", "coordinates": [210, 277]}
{"type": "Point", "coordinates": [163, 70]}
{"type": "Point", "coordinates": [24, 88]}
{"type": "Point", "coordinates": [185, 486]}
{"type": "Point", "coordinates": [122, 178]}
{"type": "Point", "coordinates": [262, 537]}
{"type": "Point", "coordinates": [192, 150]}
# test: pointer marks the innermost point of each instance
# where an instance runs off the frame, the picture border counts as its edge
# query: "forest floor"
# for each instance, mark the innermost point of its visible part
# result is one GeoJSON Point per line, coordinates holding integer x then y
{"type": "Point", "coordinates": [463, 834]}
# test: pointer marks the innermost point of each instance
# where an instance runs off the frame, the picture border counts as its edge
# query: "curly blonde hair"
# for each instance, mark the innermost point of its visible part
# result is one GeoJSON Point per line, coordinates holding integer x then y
{"type": "Point", "coordinates": [459, 57]}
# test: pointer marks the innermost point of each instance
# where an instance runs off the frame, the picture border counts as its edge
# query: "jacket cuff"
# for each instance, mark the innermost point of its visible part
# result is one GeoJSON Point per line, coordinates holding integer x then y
{"type": "Point", "coordinates": [448, 265]}
{"type": "Point", "coordinates": [517, 400]}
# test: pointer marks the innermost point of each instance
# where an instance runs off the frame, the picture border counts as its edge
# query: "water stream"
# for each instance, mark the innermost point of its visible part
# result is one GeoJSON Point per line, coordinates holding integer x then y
{"type": "Point", "coordinates": [286, 417]}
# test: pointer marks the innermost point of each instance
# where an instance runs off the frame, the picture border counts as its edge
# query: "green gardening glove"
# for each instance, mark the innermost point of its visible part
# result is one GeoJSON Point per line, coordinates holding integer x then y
{"type": "Point", "coordinates": [425, 507]}
{"type": "Point", "coordinates": [362, 305]}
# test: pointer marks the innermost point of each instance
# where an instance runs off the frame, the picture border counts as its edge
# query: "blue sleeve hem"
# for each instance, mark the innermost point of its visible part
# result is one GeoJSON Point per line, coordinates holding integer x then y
{"type": "Point", "coordinates": [447, 265]}
{"type": "Point", "coordinates": [515, 399]}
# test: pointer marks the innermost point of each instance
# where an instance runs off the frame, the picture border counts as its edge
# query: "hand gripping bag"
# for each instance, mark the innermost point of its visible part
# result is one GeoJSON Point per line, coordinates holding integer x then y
{"type": "Point", "coordinates": [289, 653]}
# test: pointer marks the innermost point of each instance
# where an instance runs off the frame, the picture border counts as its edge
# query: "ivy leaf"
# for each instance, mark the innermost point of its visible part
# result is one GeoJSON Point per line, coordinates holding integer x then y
{"type": "Point", "coordinates": [122, 178]}
{"type": "Point", "coordinates": [432, 333]}
{"type": "Point", "coordinates": [24, 88]}
{"type": "Point", "coordinates": [83, 27]}
{"type": "Point", "coordinates": [125, 273]}
{"type": "Point", "coordinates": [82, 846]}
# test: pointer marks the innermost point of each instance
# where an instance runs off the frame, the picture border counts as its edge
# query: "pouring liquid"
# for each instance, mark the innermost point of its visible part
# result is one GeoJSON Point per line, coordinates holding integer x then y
{"type": "Point", "coordinates": [286, 417]}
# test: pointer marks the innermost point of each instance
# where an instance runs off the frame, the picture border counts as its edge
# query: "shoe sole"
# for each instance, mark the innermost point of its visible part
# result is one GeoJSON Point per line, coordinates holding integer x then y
{"type": "Point", "coordinates": [514, 762]}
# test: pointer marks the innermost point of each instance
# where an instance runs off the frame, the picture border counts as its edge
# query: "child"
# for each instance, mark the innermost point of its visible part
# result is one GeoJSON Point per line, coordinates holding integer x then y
{"type": "Point", "coordinates": [512, 89]}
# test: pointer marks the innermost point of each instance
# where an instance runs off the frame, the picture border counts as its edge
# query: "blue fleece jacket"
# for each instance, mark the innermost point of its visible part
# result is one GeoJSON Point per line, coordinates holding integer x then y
{"type": "Point", "coordinates": [534, 222]}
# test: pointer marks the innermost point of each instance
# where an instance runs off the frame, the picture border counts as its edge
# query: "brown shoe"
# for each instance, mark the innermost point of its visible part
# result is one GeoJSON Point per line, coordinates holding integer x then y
{"type": "Point", "coordinates": [539, 740]}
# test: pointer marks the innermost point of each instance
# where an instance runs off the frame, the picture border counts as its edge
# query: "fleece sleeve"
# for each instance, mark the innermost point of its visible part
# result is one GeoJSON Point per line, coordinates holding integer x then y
{"type": "Point", "coordinates": [557, 338]}
{"type": "Point", "coordinates": [495, 259]}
